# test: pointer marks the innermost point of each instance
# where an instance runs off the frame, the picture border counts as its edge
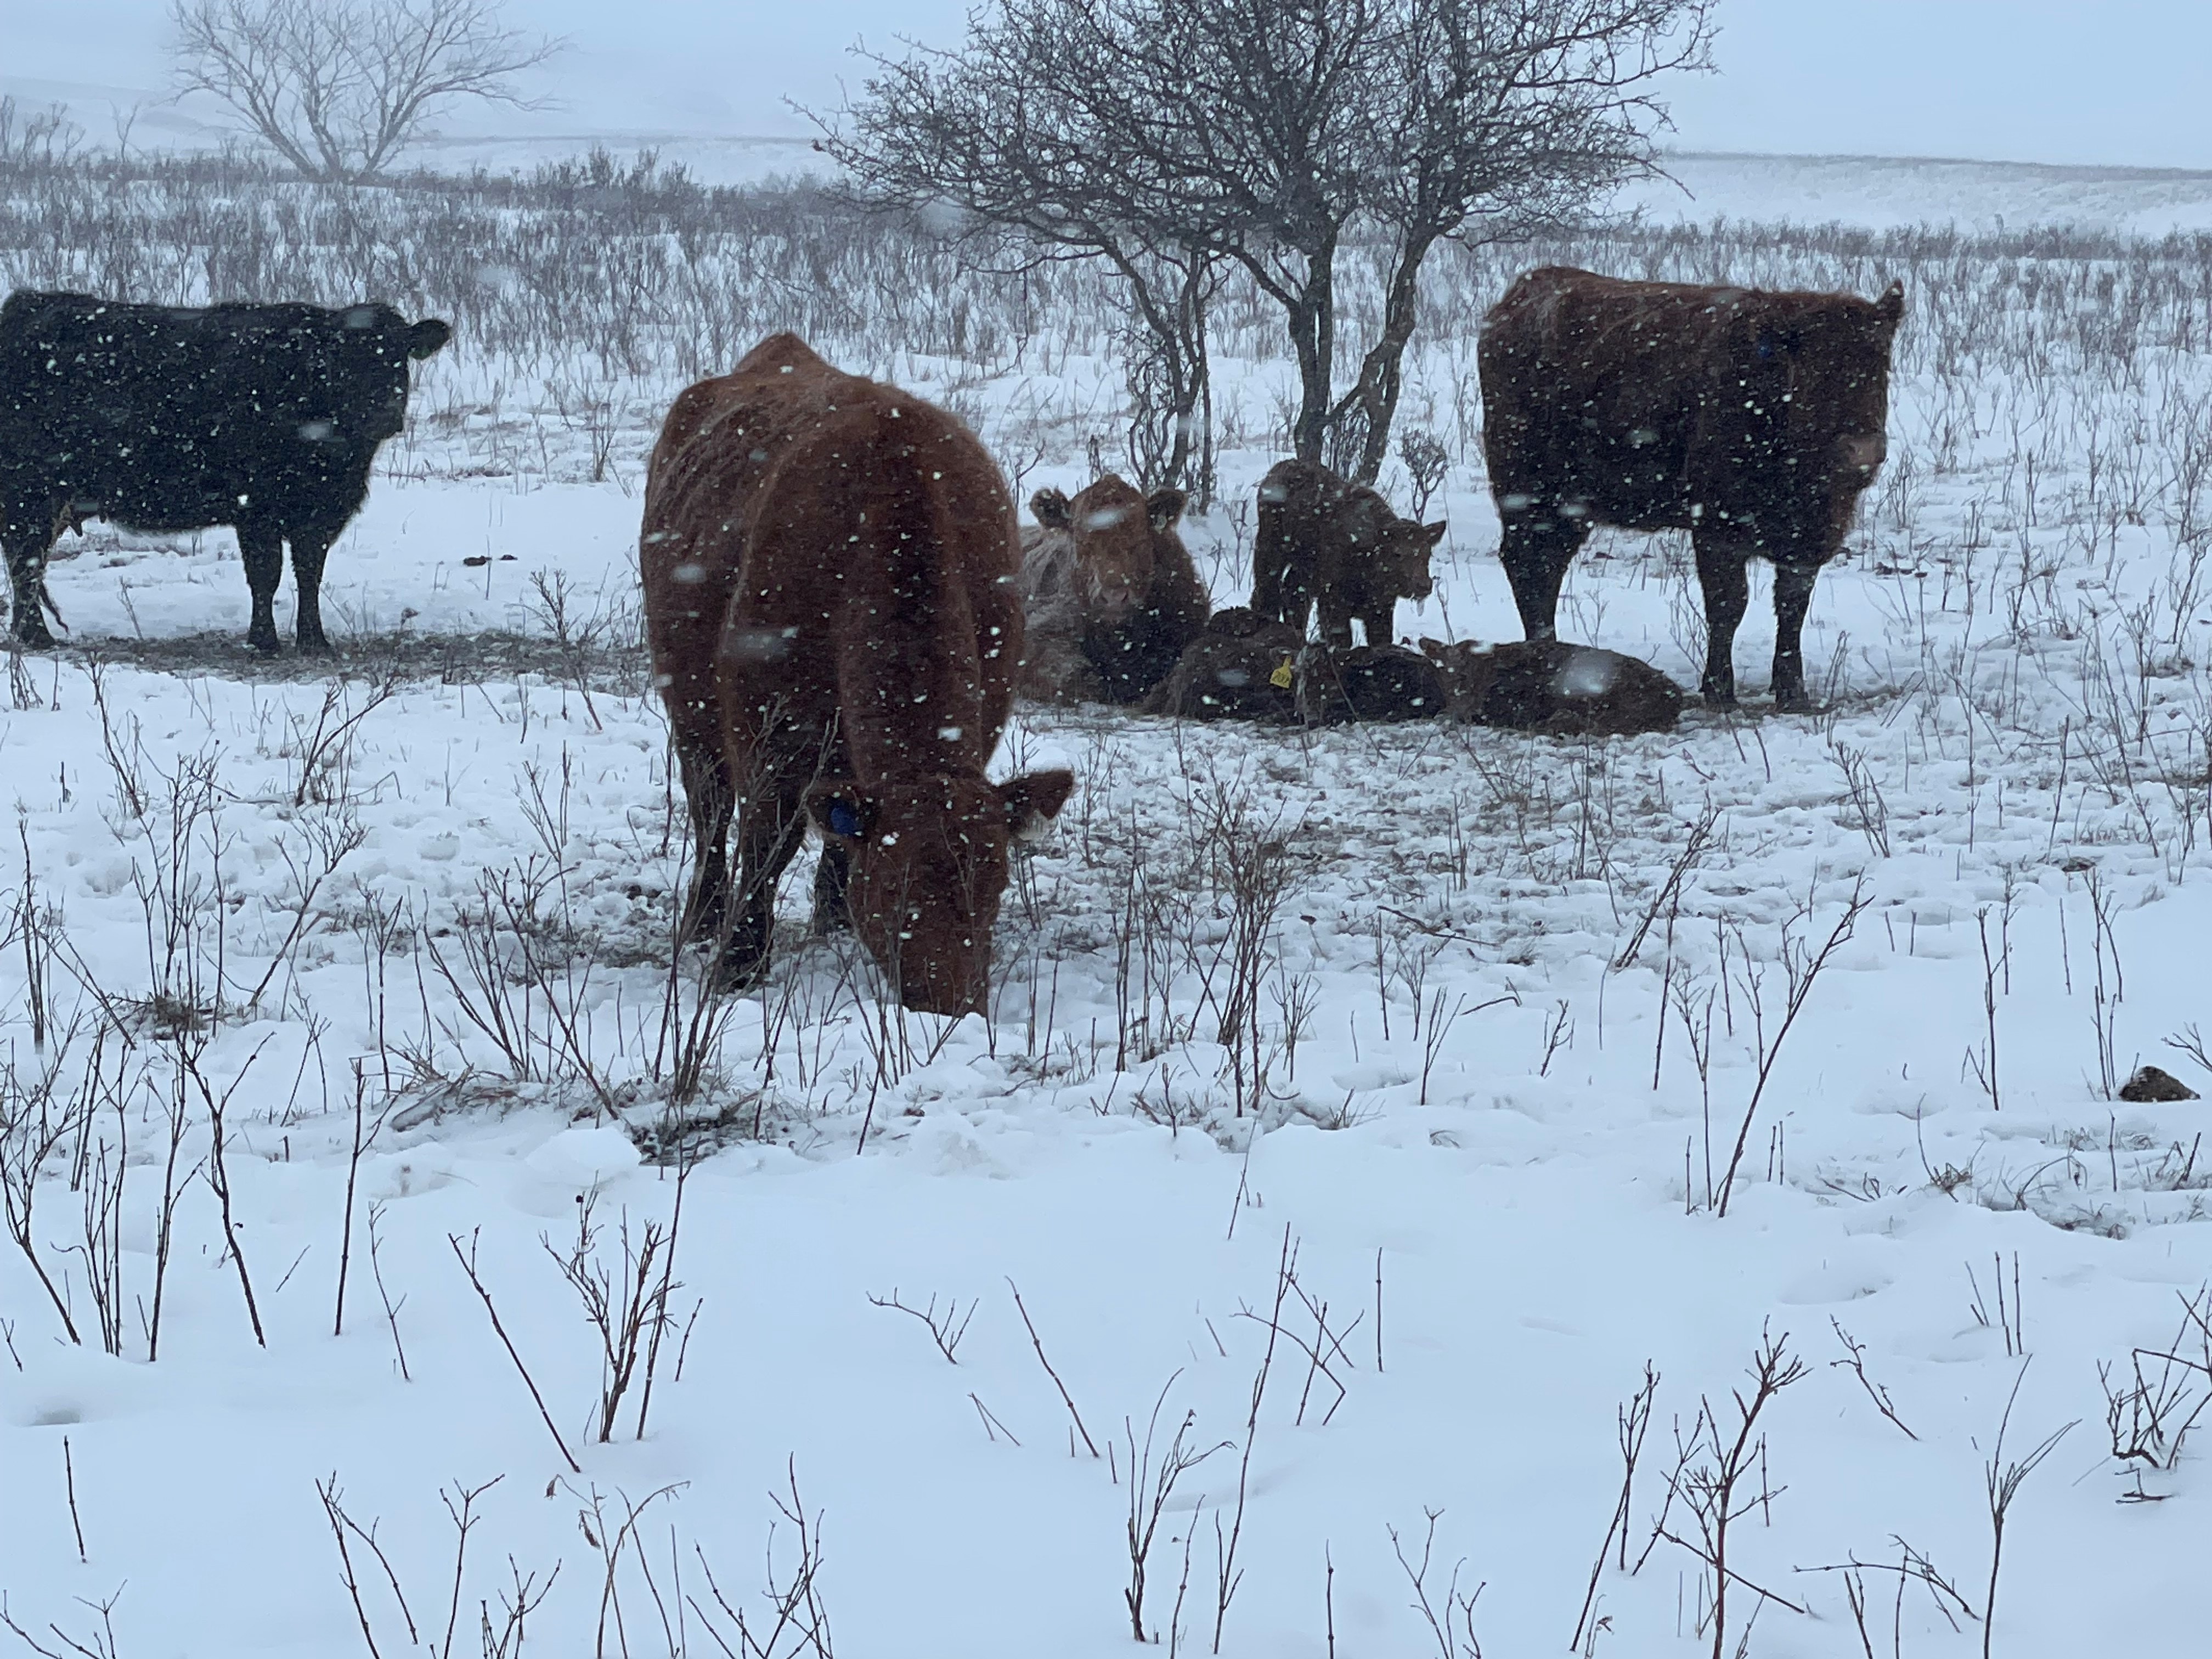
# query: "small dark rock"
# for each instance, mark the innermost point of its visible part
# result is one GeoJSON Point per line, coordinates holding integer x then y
{"type": "Point", "coordinates": [2150, 1084]}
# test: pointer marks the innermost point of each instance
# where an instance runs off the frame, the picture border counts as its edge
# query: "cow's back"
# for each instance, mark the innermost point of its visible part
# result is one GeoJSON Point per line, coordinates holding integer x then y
{"type": "Point", "coordinates": [1647, 404]}
{"type": "Point", "coordinates": [814, 542]}
{"type": "Point", "coordinates": [174, 418]}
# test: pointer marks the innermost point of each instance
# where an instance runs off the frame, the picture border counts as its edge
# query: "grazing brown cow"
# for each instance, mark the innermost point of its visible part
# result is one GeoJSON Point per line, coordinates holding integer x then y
{"type": "Point", "coordinates": [1240, 668]}
{"type": "Point", "coordinates": [1323, 540]}
{"type": "Point", "coordinates": [1378, 683]}
{"type": "Point", "coordinates": [1548, 686]}
{"type": "Point", "coordinates": [1111, 594]}
{"type": "Point", "coordinates": [1750, 419]}
{"type": "Point", "coordinates": [829, 574]}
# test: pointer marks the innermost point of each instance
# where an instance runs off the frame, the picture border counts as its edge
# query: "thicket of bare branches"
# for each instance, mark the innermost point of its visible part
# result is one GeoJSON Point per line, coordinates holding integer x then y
{"type": "Point", "coordinates": [339, 87]}
{"type": "Point", "coordinates": [1164, 136]}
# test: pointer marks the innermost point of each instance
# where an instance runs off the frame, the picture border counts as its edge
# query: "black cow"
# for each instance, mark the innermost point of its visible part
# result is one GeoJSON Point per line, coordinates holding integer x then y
{"type": "Point", "coordinates": [155, 417]}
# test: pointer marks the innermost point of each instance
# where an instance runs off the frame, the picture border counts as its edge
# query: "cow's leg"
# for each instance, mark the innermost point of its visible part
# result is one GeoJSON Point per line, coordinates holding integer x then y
{"type": "Point", "coordinates": [1335, 624]}
{"type": "Point", "coordinates": [706, 793]}
{"type": "Point", "coordinates": [1727, 586]}
{"type": "Point", "coordinates": [309, 548]}
{"type": "Point", "coordinates": [1536, 549]}
{"type": "Point", "coordinates": [1793, 597]}
{"type": "Point", "coordinates": [1380, 622]}
{"type": "Point", "coordinates": [770, 826]}
{"type": "Point", "coordinates": [261, 550]}
{"type": "Point", "coordinates": [25, 551]}
{"type": "Point", "coordinates": [831, 877]}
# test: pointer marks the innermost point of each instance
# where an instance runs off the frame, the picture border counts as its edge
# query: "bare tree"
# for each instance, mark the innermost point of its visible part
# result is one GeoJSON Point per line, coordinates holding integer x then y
{"type": "Point", "coordinates": [997, 132]}
{"type": "Point", "coordinates": [340, 88]}
{"type": "Point", "coordinates": [1267, 132]}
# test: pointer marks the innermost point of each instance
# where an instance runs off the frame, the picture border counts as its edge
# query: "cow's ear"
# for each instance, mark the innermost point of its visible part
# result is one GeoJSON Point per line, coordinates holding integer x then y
{"type": "Point", "coordinates": [428, 337]}
{"type": "Point", "coordinates": [841, 810]}
{"type": "Point", "coordinates": [1891, 306]}
{"type": "Point", "coordinates": [1051, 509]}
{"type": "Point", "coordinates": [1433, 533]}
{"type": "Point", "coordinates": [1033, 801]}
{"type": "Point", "coordinates": [1164, 507]}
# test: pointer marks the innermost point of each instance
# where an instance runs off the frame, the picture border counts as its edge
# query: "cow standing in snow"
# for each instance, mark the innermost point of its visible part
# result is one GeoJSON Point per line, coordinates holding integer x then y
{"type": "Point", "coordinates": [829, 570]}
{"type": "Point", "coordinates": [159, 418]}
{"type": "Point", "coordinates": [1752, 420]}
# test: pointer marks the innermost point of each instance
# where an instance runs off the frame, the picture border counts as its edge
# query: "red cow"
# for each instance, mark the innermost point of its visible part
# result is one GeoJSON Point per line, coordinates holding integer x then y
{"type": "Point", "coordinates": [829, 569]}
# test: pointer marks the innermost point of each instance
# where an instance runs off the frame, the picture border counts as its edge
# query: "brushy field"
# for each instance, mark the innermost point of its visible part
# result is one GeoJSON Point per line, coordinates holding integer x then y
{"type": "Point", "coordinates": [1380, 1125]}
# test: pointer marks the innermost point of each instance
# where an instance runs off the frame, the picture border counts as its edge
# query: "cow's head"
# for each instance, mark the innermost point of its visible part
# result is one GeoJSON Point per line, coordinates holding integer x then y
{"type": "Point", "coordinates": [929, 861]}
{"type": "Point", "coordinates": [1821, 373]}
{"type": "Point", "coordinates": [1116, 530]}
{"type": "Point", "coordinates": [377, 345]}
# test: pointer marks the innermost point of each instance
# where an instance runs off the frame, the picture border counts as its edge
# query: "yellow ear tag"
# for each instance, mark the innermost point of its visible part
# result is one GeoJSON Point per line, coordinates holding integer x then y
{"type": "Point", "coordinates": [1280, 679]}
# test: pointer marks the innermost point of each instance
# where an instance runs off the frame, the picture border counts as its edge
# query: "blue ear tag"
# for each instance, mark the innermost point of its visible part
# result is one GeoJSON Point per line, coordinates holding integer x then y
{"type": "Point", "coordinates": [843, 820]}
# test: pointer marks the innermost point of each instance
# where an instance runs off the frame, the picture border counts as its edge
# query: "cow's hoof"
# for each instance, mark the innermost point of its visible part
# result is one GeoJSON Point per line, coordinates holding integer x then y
{"type": "Point", "coordinates": [35, 638]}
{"type": "Point", "coordinates": [317, 646]}
{"type": "Point", "coordinates": [264, 645]}
{"type": "Point", "coordinates": [1794, 702]}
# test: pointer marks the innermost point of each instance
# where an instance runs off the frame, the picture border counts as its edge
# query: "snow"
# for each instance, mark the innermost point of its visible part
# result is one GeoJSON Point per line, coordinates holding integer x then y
{"type": "Point", "coordinates": [1522, 1123]}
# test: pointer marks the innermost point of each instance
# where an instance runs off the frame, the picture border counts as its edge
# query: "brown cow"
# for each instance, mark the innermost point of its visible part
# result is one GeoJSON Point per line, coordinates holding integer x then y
{"type": "Point", "coordinates": [1750, 419]}
{"type": "Point", "coordinates": [1322, 540]}
{"type": "Point", "coordinates": [829, 574]}
{"type": "Point", "coordinates": [1111, 594]}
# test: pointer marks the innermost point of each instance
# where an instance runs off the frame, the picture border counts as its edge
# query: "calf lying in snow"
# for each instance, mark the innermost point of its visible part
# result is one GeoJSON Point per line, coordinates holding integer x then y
{"type": "Point", "coordinates": [1549, 685]}
{"type": "Point", "coordinates": [1241, 667]}
{"type": "Point", "coordinates": [1371, 683]}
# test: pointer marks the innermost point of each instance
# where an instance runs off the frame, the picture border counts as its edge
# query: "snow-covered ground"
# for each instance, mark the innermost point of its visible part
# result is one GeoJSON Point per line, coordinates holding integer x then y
{"type": "Point", "coordinates": [1515, 1002]}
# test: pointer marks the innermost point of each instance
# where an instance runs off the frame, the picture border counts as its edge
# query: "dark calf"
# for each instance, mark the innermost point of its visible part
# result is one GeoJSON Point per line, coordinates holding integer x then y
{"type": "Point", "coordinates": [1110, 594]}
{"type": "Point", "coordinates": [1240, 668]}
{"type": "Point", "coordinates": [1380, 683]}
{"type": "Point", "coordinates": [1324, 541]}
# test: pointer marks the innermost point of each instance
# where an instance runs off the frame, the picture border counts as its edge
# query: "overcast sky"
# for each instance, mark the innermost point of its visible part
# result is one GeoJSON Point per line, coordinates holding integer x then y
{"type": "Point", "coordinates": [2105, 81]}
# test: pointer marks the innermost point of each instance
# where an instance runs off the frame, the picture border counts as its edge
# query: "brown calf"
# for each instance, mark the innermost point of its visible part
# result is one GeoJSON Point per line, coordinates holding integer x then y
{"type": "Point", "coordinates": [1750, 419]}
{"type": "Point", "coordinates": [1111, 594]}
{"type": "Point", "coordinates": [1322, 540]}
{"type": "Point", "coordinates": [1548, 686]}
{"type": "Point", "coordinates": [829, 574]}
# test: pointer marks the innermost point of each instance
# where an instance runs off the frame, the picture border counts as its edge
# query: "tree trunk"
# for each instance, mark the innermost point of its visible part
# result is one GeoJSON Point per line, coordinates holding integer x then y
{"type": "Point", "coordinates": [1312, 311]}
{"type": "Point", "coordinates": [1374, 396]}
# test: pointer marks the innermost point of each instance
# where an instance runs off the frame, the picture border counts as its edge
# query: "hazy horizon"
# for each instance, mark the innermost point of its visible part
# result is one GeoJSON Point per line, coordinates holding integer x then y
{"type": "Point", "coordinates": [2051, 81]}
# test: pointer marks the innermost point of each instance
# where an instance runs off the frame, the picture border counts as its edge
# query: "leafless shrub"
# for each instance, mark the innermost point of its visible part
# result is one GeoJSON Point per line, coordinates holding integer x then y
{"type": "Point", "coordinates": [2150, 1411]}
{"type": "Point", "coordinates": [1634, 1422]}
{"type": "Point", "coordinates": [1151, 1486]}
{"type": "Point", "coordinates": [796, 1621]}
{"type": "Point", "coordinates": [1712, 1468]}
{"type": "Point", "coordinates": [2001, 1481]}
{"type": "Point", "coordinates": [1448, 1615]}
{"type": "Point", "coordinates": [626, 1301]}
{"type": "Point", "coordinates": [945, 1328]}
{"type": "Point", "coordinates": [1854, 1360]}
